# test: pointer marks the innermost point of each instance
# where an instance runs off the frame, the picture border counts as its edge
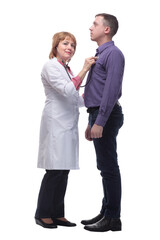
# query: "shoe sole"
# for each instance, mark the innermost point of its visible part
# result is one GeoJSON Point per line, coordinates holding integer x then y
{"type": "Point", "coordinates": [45, 225]}
{"type": "Point", "coordinates": [111, 229]}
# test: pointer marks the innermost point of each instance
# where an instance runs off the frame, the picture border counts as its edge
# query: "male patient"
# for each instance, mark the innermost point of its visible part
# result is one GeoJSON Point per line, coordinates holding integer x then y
{"type": "Point", "coordinates": [102, 92]}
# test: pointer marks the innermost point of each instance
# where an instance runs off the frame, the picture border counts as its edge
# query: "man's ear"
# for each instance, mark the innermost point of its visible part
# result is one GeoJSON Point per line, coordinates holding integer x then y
{"type": "Point", "coordinates": [107, 30]}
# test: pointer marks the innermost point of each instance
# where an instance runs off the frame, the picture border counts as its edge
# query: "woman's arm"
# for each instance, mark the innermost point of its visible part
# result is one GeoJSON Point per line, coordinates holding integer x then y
{"type": "Point", "coordinates": [87, 65]}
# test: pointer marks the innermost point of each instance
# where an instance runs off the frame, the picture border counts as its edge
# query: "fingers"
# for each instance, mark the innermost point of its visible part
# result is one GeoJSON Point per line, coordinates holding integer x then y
{"type": "Point", "coordinates": [96, 131]}
{"type": "Point", "coordinates": [89, 139]}
{"type": "Point", "coordinates": [89, 62]}
{"type": "Point", "coordinates": [92, 60]}
{"type": "Point", "coordinates": [96, 134]}
{"type": "Point", "coordinates": [88, 134]}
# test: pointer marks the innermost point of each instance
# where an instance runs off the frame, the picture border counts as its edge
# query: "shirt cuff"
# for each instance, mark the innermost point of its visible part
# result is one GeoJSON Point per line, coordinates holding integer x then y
{"type": "Point", "coordinates": [101, 120]}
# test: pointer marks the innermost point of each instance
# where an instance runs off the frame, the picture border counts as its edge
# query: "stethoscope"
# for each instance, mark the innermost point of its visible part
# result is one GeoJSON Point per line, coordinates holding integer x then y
{"type": "Point", "coordinates": [66, 66]}
{"type": "Point", "coordinates": [90, 72]}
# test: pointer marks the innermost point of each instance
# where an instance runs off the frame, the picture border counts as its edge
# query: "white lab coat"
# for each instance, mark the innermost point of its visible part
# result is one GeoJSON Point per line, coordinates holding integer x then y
{"type": "Point", "coordinates": [59, 142]}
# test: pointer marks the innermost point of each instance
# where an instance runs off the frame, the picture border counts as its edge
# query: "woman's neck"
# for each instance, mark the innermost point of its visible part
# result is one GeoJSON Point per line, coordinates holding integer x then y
{"type": "Point", "coordinates": [60, 59]}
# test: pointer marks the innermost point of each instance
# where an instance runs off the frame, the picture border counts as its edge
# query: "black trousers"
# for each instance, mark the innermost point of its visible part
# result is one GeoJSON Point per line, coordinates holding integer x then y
{"type": "Point", "coordinates": [51, 195]}
{"type": "Point", "coordinates": [107, 161]}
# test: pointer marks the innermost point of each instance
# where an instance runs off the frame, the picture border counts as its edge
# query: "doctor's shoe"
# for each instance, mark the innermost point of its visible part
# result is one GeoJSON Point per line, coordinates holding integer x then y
{"type": "Point", "coordinates": [64, 223]}
{"type": "Point", "coordinates": [93, 220]}
{"type": "Point", "coordinates": [45, 225]}
{"type": "Point", "coordinates": [105, 224]}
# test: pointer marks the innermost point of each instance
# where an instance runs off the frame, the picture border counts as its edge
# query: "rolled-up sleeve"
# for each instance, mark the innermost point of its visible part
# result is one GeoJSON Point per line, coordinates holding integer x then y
{"type": "Point", "coordinates": [77, 82]}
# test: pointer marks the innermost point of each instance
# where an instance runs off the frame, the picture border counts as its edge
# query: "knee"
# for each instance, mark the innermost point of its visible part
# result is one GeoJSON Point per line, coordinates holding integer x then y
{"type": "Point", "coordinates": [111, 173]}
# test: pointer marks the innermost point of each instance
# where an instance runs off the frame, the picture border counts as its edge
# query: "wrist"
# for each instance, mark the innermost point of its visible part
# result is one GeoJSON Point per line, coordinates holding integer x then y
{"type": "Point", "coordinates": [98, 125]}
{"type": "Point", "coordinates": [84, 70]}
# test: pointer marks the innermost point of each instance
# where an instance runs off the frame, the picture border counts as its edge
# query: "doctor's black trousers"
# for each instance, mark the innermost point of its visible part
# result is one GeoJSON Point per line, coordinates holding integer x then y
{"type": "Point", "coordinates": [51, 195]}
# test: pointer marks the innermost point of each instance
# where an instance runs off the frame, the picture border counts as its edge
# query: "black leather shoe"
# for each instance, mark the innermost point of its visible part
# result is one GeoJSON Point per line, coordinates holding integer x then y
{"type": "Point", "coordinates": [105, 224]}
{"type": "Point", "coordinates": [93, 220]}
{"type": "Point", "coordinates": [45, 225]}
{"type": "Point", "coordinates": [63, 223]}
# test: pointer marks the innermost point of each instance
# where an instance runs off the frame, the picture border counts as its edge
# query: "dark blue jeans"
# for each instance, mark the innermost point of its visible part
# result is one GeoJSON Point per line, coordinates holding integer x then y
{"type": "Point", "coordinates": [107, 162]}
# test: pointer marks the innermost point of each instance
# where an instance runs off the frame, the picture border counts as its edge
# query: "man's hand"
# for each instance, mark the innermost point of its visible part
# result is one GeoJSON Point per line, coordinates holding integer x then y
{"type": "Point", "coordinates": [88, 133]}
{"type": "Point", "coordinates": [96, 131]}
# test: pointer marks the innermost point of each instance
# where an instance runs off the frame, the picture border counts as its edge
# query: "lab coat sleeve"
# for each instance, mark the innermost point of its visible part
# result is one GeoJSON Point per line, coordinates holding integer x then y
{"type": "Point", "coordinates": [57, 80]}
{"type": "Point", "coordinates": [81, 101]}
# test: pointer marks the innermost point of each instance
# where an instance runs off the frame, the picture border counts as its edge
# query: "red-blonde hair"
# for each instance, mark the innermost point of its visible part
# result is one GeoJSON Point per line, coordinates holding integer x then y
{"type": "Point", "coordinates": [60, 36]}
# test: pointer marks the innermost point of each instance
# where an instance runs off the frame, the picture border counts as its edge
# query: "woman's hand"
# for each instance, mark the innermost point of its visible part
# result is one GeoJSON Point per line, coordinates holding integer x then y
{"type": "Point", "coordinates": [88, 63]}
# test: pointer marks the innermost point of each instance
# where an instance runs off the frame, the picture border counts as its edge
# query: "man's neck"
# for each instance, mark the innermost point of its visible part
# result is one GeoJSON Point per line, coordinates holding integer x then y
{"type": "Point", "coordinates": [102, 41]}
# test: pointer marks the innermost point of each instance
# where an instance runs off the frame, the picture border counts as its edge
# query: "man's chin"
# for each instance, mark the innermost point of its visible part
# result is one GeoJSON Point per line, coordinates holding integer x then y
{"type": "Point", "coordinates": [92, 38]}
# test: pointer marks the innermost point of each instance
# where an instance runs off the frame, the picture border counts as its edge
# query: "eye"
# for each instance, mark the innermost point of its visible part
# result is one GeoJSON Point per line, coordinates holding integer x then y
{"type": "Point", "coordinates": [95, 24]}
{"type": "Point", "coordinates": [73, 45]}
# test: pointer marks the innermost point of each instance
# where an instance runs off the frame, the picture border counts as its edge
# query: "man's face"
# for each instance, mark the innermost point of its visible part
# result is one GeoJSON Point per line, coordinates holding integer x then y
{"type": "Point", "coordinates": [97, 30]}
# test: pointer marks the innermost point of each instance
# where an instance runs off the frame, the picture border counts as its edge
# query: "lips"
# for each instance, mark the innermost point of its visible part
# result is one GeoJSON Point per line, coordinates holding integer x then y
{"type": "Point", "coordinates": [68, 53]}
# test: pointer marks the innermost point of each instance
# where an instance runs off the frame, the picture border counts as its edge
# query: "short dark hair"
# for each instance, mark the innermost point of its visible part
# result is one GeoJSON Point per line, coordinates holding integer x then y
{"type": "Point", "coordinates": [111, 21]}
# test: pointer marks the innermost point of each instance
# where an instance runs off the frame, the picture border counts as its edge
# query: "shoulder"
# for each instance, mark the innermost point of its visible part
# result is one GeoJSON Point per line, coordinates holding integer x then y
{"type": "Point", "coordinates": [51, 63]}
{"type": "Point", "coordinates": [116, 52]}
{"type": "Point", "coordinates": [114, 57]}
{"type": "Point", "coordinates": [51, 66]}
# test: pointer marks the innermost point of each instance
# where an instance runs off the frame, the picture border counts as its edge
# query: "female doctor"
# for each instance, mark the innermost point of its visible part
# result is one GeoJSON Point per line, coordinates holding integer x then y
{"type": "Point", "coordinates": [58, 146]}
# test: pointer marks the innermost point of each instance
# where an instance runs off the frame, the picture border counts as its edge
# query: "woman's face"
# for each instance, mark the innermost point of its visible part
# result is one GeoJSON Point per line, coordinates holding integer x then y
{"type": "Point", "coordinates": [65, 49]}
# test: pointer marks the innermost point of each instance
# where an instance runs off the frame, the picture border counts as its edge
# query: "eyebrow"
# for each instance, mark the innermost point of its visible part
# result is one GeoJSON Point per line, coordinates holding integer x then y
{"type": "Point", "coordinates": [68, 41]}
{"type": "Point", "coordinates": [73, 44]}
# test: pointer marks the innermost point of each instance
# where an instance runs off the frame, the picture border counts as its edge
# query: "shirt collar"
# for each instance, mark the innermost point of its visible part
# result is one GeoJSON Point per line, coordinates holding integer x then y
{"type": "Point", "coordinates": [101, 48]}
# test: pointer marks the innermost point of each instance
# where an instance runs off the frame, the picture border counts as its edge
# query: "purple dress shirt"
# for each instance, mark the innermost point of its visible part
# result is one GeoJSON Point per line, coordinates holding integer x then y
{"type": "Point", "coordinates": [105, 81]}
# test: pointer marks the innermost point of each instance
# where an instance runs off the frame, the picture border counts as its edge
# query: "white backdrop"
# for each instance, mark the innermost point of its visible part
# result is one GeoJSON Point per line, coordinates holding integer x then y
{"type": "Point", "coordinates": [26, 28]}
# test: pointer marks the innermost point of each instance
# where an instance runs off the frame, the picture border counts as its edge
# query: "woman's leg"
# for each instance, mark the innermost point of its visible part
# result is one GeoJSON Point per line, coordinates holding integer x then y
{"type": "Point", "coordinates": [51, 195]}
